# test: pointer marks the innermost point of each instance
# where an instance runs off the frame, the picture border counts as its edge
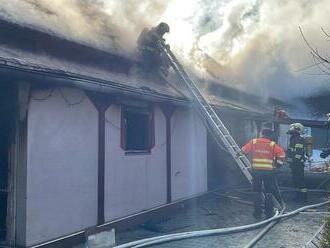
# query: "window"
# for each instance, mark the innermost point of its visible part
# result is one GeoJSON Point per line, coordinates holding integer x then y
{"type": "Point", "coordinates": [320, 137]}
{"type": "Point", "coordinates": [137, 129]}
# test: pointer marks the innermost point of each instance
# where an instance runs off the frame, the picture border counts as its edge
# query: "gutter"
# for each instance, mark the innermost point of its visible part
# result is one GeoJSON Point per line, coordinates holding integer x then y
{"type": "Point", "coordinates": [85, 82]}
{"type": "Point", "coordinates": [46, 75]}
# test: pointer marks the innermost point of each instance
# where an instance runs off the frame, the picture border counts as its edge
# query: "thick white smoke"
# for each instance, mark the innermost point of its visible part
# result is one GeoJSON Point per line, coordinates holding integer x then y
{"type": "Point", "coordinates": [82, 21]}
{"type": "Point", "coordinates": [255, 44]}
{"type": "Point", "coordinates": [106, 24]}
{"type": "Point", "coordinates": [251, 44]}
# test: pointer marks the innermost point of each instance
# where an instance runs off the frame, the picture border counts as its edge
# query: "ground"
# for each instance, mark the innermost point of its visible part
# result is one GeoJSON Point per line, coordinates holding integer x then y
{"type": "Point", "coordinates": [216, 211]}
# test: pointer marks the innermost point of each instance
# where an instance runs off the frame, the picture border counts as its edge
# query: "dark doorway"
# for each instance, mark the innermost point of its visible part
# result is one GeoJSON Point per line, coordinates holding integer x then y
{"type": "Point", "coordinates": [222, 171]}
{"type": "Point", "coordinates": [7, 115]}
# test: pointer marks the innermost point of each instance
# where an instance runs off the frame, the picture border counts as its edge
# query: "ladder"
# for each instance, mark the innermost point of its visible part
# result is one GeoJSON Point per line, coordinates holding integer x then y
{"type": "Point", "coordinates": [315, 241]}
{"type": "Point", "coordinates": [214, 124]}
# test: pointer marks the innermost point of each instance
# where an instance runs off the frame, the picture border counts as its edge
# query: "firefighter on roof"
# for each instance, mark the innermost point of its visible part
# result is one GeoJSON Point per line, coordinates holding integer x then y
{"type": "Point", "coordinates": [296, 159]}
{"type": "Point", "coordinates": [155, 63]}
{"type": "Point", "coordinates": [266, 157]}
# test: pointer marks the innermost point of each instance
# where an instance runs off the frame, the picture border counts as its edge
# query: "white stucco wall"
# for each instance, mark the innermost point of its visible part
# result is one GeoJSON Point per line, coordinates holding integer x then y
{"type": "Point", "coordinates": [189, 154]}
{"type": "Point", "coordinates": [133, 183]}
{"type": "Point", "coordinates": [62, 163]}
{"type": "Point", "coordinates": [284, 139]}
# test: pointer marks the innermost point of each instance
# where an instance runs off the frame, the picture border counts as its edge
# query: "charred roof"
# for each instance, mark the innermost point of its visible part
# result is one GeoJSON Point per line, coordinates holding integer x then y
{"type": "Point", "coordinates": [32, 51]}
{"type": "Point", "coordinates": [319, 104]}
{"type": "Point", "coordinates": [41, 43]}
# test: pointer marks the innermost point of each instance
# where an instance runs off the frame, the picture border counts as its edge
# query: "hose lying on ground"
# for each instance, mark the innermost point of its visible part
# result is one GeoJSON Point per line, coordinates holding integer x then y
{"type": "Point", "coordinates": [270, 225]}
{"type": "Point", "coordinates": [264, 231]}
{"type": "Point", "coordinates": [202, 233]}
{"type": "Point", "coordinates": [283, 189]}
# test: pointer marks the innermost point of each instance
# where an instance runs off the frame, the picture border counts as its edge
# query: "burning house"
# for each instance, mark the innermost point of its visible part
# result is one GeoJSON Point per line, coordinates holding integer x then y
{"type": "Point", "coordinates": [85, 144]}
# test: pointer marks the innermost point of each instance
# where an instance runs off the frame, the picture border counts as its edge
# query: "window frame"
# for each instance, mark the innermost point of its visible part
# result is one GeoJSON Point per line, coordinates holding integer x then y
{"type": "Point", "coordinates": [149, 110]}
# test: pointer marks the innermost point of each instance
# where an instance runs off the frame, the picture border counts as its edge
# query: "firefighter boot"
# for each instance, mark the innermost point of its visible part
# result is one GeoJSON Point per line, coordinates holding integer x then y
{"type": "Point", "coordinates": [269, 206]}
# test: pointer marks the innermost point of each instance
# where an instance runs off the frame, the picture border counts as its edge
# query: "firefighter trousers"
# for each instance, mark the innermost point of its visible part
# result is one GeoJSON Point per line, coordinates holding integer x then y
{"type": "Point", "coordinates": [298, 179]}
{"type": "Point", "coordinates": [271, 189]}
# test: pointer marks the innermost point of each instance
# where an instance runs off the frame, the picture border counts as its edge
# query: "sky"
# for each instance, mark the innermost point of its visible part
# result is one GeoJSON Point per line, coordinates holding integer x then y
{"type": "Point", "coordinates": [254, 45]}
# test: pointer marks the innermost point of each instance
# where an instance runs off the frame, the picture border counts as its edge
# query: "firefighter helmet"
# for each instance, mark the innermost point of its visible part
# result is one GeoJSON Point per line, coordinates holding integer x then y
{"type": "Point", "coordinates": [296, 127]}
{"type": "Point", "coordinates": [267, 132]}
{"type": "Point", "coordinates": [163, 28]}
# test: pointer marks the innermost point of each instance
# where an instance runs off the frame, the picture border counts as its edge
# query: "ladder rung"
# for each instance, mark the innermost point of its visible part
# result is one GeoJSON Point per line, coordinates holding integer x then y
{"type": "Point", "coordinates": [214, 123]}
{"type": "Point", "coordinates": [316, 245]}
{"type": "Point", "coordinates": [235, 147]}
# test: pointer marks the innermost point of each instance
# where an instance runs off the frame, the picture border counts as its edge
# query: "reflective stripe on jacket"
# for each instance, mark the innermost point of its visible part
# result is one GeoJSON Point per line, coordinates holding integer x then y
{"type": "Point", "coordinates": [297, 149]}
{"type": "Point", "coordinates": [264, 152]}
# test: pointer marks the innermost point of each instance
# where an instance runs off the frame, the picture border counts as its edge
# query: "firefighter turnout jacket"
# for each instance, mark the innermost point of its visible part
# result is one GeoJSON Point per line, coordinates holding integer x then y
{"type": "Point", "coordinates": [297, 149]}
{"type": "Point", "coordinates": [149, 39]}
{"type": "Point", "coordinates": [266, 154]}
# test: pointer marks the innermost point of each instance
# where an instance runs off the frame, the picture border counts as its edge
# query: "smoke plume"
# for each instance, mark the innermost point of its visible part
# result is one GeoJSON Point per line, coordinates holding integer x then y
{"type": "Point", "coordinates": [251, 44]}
{"type": "Point", "coordinates": [108, 25]}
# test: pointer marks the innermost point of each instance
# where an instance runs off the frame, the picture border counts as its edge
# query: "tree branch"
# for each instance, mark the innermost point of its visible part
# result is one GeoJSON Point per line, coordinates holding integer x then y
{"type": "Point", "coordinates": [326, 34]}
{"type": "Point", "coordinates": [320, 61]}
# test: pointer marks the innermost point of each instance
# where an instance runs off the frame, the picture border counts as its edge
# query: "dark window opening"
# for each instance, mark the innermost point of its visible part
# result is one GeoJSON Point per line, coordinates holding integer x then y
{"type": "Point", "coordinates": [137, 130]}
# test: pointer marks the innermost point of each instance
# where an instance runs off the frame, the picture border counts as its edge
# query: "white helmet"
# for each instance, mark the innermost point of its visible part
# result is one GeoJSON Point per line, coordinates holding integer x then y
{"type": "Point", "coordinates": [297, 127]}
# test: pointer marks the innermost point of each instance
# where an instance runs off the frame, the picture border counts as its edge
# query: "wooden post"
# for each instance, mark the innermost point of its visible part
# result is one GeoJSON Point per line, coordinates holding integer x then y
{"type": "Point", "coordinates": [168, 111]}
{"type": "Point", "coordinates": [101, 103]}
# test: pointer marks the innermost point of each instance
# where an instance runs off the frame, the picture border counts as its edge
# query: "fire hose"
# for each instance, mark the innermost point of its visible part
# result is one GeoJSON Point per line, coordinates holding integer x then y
{"type": "Point", "coordinates": [204, 233]}
{"type": "Point", "coordinates": [271, 224]}
{"type": "Point", "coordinates": [264, 231]}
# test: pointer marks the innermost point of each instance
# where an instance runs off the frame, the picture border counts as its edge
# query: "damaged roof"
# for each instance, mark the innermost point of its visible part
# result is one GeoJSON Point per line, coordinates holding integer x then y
{"type": "Point", "coordinates": [43, 65]}
{"type": "Point", "coordinates": [41, 54]}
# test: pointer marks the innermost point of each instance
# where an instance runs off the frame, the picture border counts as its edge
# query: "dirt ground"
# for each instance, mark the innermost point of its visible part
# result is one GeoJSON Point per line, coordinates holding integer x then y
{"type": "Point", "coordinates": [217, 211]}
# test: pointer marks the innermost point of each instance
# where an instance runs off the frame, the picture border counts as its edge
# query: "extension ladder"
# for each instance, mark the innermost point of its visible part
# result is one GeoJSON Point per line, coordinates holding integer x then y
{"type": "Point", "coordinates": [213, 122]}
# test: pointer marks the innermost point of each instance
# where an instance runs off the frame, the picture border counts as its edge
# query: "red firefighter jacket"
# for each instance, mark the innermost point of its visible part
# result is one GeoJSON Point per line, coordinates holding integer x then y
{"type": "Point", "coordinates": [264, 153]}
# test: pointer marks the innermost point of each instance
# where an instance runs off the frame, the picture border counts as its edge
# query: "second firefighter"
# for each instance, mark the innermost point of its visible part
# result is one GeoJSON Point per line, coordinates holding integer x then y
{"type": "Point", "coordinates": [296, 159]}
